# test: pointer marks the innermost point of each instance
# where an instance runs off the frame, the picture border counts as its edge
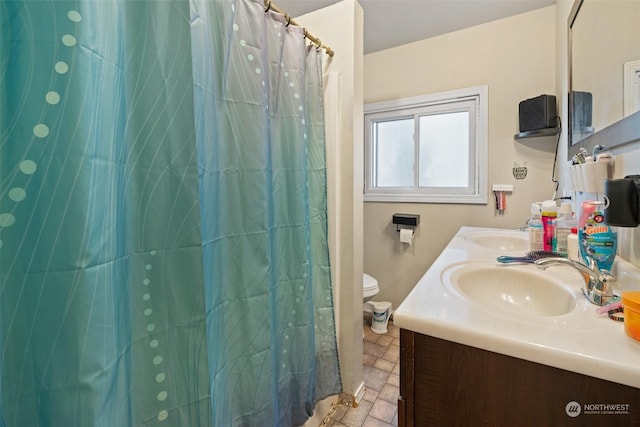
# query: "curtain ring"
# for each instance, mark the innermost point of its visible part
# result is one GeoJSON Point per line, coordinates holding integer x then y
{"type": "Point", "coordinates": [288, 18]}
{"type": "Point", "coordinates": [268, 7]}
{"type": "Point", "coordinates": [319, 45]}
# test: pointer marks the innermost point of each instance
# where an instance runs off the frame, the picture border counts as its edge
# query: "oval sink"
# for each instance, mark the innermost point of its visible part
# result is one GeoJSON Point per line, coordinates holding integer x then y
{"type": "Point", "coordinates": [500, 241]}
{"type": "Point", "coordinates": [513, 289]}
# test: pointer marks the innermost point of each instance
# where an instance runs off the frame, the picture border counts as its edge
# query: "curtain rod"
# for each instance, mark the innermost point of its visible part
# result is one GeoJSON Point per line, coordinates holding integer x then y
{"type": "Point", "coordinates": [268, 4]}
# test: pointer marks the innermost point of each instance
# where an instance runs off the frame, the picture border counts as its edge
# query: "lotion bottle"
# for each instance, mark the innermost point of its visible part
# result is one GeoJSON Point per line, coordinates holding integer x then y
{"type": "Point", "coordinates": [573, 247]}
{"type": "Point", "coordinates": [565, 222]}
{"type": "Point", "coordinates": [536, 232]}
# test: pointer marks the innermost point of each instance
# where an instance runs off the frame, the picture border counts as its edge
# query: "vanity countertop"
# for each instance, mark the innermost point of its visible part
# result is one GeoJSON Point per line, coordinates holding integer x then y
{"type": "Point", "coordinates": [580, 341]}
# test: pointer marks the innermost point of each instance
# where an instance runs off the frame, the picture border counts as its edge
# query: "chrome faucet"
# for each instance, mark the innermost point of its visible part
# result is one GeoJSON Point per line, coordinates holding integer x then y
{"type": "Point", "coordinates": [597, 283]}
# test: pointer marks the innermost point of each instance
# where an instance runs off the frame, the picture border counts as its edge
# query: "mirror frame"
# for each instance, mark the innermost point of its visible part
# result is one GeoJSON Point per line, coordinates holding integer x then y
{"type": "Point", "coordinates": [624, 131]}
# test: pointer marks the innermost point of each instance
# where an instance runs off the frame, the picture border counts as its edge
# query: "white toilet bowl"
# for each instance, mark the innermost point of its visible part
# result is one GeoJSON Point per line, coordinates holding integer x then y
{"type": "Point", "coordinates": [369, 287]}
{"type": "Point", "coordinates": [380, 310]}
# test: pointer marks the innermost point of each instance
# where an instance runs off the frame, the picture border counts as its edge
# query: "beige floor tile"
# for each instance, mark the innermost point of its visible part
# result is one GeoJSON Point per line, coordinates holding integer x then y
{"type": "Point", "coordinates": [374, 349]}
{"type": "Point", "coordinates": [368, 359]}
{"type": "Point", "coordinates": [392, 354]}
{"type": "Point", "coordinates": [389, 393]}
{"type": "Point", "coordinates": [385, 365]}
{"type": "Point", "coordinates": [374, 422]}
{"type": "Point", "coordinates": [355, 416]}
{"type": "Point", "coordinates": [374, 378]}
{"type": "Point", "coordinates": [369, 335]}
{"type": "Point", "coordinates": [396, 368]}
{"type": "Point", "coordinates": [393, 330]}
{"type": "Point", "coordinates": [394, 379]}
{"type": "Point", "coordinates": [385, 340]}
{"type": "Point", "coordinates": [381, 370]}
{"type": "Point", "coordinates": [383, 410]}
{"type": "Point", "coordinates": [370, 395]}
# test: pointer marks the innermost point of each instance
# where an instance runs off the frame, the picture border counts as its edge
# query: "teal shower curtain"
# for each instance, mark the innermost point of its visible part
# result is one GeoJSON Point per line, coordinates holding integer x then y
{"type": "Point", "coordinates": [163, 219]}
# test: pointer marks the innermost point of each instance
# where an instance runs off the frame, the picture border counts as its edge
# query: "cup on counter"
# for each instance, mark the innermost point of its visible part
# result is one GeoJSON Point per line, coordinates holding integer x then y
{"type": "Point", "coordinates": [631, 304]}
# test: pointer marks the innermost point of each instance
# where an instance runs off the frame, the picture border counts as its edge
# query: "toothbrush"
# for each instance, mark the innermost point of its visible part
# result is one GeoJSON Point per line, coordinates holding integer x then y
{"type": "Point", "coordinates": [612, 306]}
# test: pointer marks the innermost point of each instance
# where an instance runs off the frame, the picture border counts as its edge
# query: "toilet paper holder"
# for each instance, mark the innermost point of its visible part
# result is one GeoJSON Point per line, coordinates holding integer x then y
{"type": "Point", "coordinates": [410, 220]}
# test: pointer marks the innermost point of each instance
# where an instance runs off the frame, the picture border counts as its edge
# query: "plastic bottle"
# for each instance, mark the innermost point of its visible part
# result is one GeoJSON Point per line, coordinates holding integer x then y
{"type": "Point", "coordinates": [565, 222]}
{"type": "Point", "coordinates": [573, 247]}
{"type": "Point", "coordinates": [598, 241]}
{"type": "Point", "coordinates": [536, 232]}
{"type": "Point", "coordinates": [549, 214]}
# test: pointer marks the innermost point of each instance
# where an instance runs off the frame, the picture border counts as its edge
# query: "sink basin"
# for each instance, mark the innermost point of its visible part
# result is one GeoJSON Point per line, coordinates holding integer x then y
{"type": "Point", "coordinates": [512, 289]}
{"type": "Point", "coordinates": [505, 241]}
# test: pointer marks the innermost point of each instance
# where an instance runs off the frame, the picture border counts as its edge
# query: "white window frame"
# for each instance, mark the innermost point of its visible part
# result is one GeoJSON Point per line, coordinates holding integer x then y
{"type": "Point", "coordinates": [631, 87]}
{"type": "Point", "coordinates": [408, 107]}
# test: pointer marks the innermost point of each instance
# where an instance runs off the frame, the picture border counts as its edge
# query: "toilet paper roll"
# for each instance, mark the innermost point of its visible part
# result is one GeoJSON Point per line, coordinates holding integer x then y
{"type": "Point", "coordinates": [406, 235]}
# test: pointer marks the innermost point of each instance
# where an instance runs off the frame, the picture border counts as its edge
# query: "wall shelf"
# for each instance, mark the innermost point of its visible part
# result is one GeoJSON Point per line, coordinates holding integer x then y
{"type": "Point", "coordinates": [538, 133]}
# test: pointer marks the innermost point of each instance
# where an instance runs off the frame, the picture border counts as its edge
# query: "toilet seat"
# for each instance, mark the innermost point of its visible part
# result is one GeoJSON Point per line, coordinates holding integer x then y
{"type": "Point", "coordinates": [369, 287]}
{"type": "Point", "coordinates": [368, 282]}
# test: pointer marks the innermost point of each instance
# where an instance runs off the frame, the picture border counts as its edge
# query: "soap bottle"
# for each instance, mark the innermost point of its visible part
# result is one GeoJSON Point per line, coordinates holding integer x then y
{"type": "Point", "coordinates": [535, 229]}
{"type": "Point", "coordinates": [565, 222]}
{"type": "Point", "coordinates": [597, 240]}
{"type": "Point", "coordinates": [573, 248]}
{"type": "Point", "coordinates": [549, 214]}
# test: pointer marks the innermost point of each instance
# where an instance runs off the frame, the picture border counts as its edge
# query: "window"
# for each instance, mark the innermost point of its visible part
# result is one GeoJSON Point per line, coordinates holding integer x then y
{"type": "Point", "coordinates": [430, 148]}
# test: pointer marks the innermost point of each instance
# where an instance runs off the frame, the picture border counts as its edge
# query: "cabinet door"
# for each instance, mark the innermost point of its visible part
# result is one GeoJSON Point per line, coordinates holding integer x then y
{"type": "Point", "coordinates": [445, 383]}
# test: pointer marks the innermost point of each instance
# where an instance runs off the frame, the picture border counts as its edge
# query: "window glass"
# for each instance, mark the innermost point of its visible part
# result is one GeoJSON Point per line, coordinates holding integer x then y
{"type": "Point", "coordinates": [444, 150]}
{"type": "Point", "coordinates": [394, 153]}
{"type": "Point", "coordinates": [430, 149]}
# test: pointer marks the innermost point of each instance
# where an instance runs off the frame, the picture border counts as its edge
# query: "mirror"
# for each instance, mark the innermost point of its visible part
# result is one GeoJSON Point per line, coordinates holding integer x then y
{"type": "Point", "coordinates": [604, 74]}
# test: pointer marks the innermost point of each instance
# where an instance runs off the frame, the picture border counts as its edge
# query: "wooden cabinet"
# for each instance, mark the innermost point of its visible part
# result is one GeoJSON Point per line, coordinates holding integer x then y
{"type": "Point", "coordinates": [448, 384]}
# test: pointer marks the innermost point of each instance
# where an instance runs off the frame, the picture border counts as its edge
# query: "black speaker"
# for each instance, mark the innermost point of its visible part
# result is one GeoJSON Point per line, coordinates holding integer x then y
{"type": "Point", "coordinates": [536, 113]}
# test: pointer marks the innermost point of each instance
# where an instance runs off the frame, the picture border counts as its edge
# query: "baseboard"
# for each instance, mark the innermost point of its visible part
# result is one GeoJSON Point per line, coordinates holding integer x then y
{"type": "Point", "coordinates": [359, 394]}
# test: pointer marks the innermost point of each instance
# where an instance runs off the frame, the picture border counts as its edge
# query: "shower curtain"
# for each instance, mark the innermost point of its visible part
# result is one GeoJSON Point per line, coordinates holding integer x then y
{"type": "Point", "coordinates": [163, 218]}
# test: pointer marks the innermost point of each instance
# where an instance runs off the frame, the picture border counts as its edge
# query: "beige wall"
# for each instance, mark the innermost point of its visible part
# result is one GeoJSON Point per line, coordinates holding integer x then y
{"type": "Point", "coordinates": [516, 58]}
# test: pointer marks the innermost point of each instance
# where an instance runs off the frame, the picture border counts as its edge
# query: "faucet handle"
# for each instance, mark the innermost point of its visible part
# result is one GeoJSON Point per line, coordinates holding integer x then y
{"type": "Point", "coordinates": [606, 276]}
{"type": "Point", "coordinates": [603, 275]}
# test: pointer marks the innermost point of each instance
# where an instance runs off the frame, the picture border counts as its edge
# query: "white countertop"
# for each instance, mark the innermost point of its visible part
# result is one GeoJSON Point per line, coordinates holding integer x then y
{"type": "Point", "coordinates": [580, 341]}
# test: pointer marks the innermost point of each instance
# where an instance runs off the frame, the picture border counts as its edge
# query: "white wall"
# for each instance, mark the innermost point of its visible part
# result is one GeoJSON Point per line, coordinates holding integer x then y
{"type": "Point", "coordinates": [516, 58]}
{"type": "Point", "coordinates": [340, 26]}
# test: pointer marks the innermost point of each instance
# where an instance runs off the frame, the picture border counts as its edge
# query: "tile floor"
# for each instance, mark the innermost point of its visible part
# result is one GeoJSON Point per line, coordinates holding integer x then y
{"type": "Point", "coordinates": [379, 407]}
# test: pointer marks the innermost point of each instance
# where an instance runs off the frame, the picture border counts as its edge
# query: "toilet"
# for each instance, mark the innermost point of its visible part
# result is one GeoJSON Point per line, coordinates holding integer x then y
{"type": "Point", "coordinates": [380, 310]}
{"type": "Point", "coordinates": [369, 287]}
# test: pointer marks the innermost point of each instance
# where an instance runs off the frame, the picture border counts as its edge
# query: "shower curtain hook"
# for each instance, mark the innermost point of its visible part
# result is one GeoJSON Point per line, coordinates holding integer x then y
{"type": "Point", "coordinates": [268, 7]}
{"type": "Point", "coordinates": [288, 18]}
